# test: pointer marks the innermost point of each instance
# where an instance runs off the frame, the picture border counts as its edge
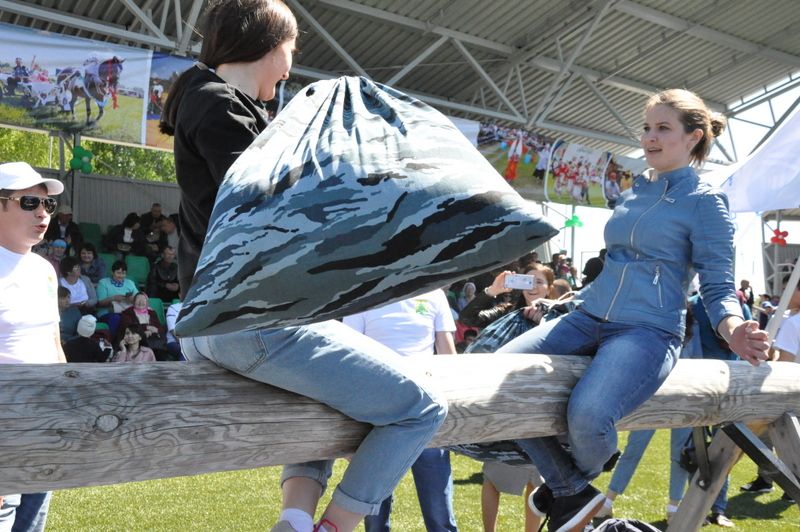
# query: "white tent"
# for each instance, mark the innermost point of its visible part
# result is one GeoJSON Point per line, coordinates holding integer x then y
{"type": "Point", "coordinates": [769, 179]}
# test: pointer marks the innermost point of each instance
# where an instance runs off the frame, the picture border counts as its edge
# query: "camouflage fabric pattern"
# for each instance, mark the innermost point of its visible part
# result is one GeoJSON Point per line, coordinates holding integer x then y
{"type": "Point", "coordinates": [355, 196]}
{"type": "Point", "coordinates": [506, 451]}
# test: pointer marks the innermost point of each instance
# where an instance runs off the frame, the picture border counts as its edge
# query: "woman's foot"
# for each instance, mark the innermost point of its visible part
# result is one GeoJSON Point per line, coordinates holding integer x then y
{"type": "Point", "coordinates": [758, 485]}
{"type": "Point", "coordinates": [719, 519]}
{"type": "Point", "coordinates": [607, 511]}
{"type": "Point", "coordinates": [541, 500]}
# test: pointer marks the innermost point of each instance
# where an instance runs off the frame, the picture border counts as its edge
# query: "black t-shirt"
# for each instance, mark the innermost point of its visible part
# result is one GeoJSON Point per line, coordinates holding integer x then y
{"type": "Point", "coordinates": [82, 349]}
{"type": "Point", "coordinates": [215, 123]}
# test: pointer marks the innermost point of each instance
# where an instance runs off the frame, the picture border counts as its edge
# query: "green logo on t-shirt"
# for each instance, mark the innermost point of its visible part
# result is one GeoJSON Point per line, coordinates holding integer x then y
{"type": "Point", "coordinates": [421, 307]}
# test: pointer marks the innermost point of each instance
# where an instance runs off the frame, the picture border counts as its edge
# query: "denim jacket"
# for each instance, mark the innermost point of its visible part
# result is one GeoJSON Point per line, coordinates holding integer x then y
{"type": "Point", "coordinates": [659, 233]}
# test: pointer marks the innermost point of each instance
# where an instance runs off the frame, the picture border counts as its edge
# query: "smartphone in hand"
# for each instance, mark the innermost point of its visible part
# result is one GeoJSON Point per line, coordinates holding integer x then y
{"type": "Point", "coordinates": [518, 281]}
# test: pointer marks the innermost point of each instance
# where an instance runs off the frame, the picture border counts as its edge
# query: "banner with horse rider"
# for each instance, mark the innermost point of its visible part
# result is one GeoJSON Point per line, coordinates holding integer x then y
{"type": "Point", "coordinates": [57, 82]}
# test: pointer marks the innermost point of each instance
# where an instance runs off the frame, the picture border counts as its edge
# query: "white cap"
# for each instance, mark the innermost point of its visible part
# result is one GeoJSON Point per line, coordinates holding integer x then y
{"type": "Point", "coordinates": [19, 176]}
{"type": "Point", "coordinates": [86, 325]}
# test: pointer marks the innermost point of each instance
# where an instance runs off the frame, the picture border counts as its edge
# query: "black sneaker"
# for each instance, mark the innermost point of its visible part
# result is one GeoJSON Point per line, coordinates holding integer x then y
{"type": "Point", "coordinates": [759, 485]}
{"type": "Point", "coordinates": [573, 513]}
{"type": "Point", "coordinates": [541, 500]}
{"type": "Point", "coordinates": [787, 497]}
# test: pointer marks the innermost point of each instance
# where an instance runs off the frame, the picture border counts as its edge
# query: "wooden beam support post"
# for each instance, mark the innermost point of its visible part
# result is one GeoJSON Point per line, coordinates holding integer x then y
{"type": "Point", "coordinates": [785, 435]}
{"type": "Point", "coordinates": [65, 426]}
{"type": "Point", "coordinates": [722, 454]}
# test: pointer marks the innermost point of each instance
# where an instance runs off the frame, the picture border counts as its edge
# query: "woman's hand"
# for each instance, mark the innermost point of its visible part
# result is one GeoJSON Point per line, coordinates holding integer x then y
{"type": "Point", "coordinates": [535, 312]}
{"type": "Point", "coordinates": [750, 342]}
{"type": "Point", "coordinates": [498, 286]}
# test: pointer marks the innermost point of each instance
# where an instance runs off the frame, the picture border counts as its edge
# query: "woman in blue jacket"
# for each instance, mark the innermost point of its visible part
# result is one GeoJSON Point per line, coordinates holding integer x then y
{"type": "Point", "coordinates": [631, 320]}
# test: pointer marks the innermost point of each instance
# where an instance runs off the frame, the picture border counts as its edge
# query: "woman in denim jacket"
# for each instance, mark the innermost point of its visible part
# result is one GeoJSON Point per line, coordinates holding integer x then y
{"type": "Point", "coordinates": [631, 320]}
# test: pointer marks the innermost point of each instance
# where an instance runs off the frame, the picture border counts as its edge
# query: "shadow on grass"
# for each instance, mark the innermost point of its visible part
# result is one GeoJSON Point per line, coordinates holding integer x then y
{"type": "Point", "coordinates": [747, 505]}
{"type": "Point", "coordinates": [475, 478]}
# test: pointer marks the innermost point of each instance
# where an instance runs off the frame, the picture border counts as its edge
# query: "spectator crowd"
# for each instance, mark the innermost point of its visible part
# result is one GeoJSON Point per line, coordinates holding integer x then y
{"type": "Point", "coordinates": [118, 291]}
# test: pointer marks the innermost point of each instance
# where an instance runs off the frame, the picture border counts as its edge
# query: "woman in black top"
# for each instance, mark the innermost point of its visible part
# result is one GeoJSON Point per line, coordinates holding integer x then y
{"type": "Point", "coordinates": [214, 110]}
{"type": "Point", "coordinates": [486, 308]}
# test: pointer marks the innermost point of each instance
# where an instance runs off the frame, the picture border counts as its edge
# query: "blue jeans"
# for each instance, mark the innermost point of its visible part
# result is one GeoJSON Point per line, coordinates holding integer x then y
{"type": "Point", "coordinates": [359, 377]}
{"type": "Point", "coordinates": [638, 440]}
{"type": "Point", "coordinates": [24, 513]}
{"type": "Point", "coordinates": [630, 363]}
{"type": "Point", "coordinates": [433, 479]}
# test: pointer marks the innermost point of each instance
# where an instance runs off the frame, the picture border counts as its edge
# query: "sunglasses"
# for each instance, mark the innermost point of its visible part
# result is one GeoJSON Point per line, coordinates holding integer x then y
{"type": "Point", "coordinates": [31, 203]}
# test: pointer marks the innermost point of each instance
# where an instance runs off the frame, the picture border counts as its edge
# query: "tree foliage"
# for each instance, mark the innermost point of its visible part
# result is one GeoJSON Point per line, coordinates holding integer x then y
{"type": "Point", "coordinates": [41, 150]}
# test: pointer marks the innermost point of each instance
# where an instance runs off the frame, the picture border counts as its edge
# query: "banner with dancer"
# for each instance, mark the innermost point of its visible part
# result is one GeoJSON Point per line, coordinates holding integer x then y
{"type": "Point", "coordinates": [519, 155]}
{"type": "Point", "coordinates": [618, 177]}
{"type": "Point", "coordinates": [57, 82]}
{"type": "Point", "coordinates": [550, 170]}
{"type": "Point", "coordinates": [576, 175]}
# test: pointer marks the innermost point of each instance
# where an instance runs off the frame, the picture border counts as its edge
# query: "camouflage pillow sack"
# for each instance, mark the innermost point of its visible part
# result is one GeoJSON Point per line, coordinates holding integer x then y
{"type": "Point", "coordinates": [355, 196]}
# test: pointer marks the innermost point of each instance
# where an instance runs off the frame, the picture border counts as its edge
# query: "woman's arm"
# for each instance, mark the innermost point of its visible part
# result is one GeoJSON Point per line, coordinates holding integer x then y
{"type": "Point", "coordinates": [90, 291]}
{"type": "Point", "coordinates": [155, 322]}
{"type": "Point", "coordinates": [104, 299]}
{"type": "Point", "coordinates": [484, 308]}
{"type": "Point", "coordinates": [712, 258]}
{"type": "Point", "coordinates": [745, 339]}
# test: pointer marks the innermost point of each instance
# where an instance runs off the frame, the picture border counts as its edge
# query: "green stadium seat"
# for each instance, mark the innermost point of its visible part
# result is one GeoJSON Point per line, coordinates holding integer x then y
{"type": "Point", "coordinates": [138, 269]}
{"type": "Point", "coordinates": [109, 259]}
{"type": "Point", "coordinates": [158, 306]}
{"type": "Point", "coordinates": [91, 233]}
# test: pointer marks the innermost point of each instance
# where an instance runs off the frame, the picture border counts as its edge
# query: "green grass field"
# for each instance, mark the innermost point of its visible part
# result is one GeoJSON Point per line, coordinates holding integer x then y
{"type": "Point", "coordinates": [250, 500]}
{"type": "Point", "coordinates": [123, 124]}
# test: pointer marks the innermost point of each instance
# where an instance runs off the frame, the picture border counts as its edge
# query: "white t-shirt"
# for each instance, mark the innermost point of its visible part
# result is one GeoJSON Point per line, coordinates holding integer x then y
{"type": "Point", "coordinates": [28, 309]}
{"type": "Point", "coordinates": [788, 337]}
{"type": "Point", "coordinates": [409, 326]}
{"type": "Point", "coordinates": [77, 291]}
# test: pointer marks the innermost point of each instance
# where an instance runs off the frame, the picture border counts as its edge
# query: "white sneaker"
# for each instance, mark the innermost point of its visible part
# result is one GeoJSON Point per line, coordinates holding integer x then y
{"type": "Point", "coordinates": [606, 512]}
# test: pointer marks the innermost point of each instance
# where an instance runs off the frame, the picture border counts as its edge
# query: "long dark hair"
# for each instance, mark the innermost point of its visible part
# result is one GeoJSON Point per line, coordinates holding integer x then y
{"type": "Point", "coordinates": [234, 31]}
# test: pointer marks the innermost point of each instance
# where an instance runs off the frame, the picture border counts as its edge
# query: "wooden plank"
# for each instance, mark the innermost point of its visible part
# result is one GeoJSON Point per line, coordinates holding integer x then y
{"type": "Point", "coordinates": [94, 424]}
{"type": "Point", "coordinates": [696, 504]}
{"type": "Point", "coordinates": [785, 435]}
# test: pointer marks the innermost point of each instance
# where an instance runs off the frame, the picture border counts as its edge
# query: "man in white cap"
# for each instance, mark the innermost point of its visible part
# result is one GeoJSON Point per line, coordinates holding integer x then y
{"type": "Point", "coordinates": [61, 224]}
{"type": "Point", "coordinates": [29, 332]}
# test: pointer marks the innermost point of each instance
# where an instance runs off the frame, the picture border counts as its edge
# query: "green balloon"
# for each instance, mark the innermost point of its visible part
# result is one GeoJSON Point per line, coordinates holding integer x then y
{"type": "Point", "coordinates": [75, 163]}
{"type": "Point", "coordinates": [86, 168]}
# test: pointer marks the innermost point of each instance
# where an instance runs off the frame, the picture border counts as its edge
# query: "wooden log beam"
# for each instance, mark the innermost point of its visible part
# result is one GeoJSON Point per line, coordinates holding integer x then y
{"type": "Point", "coordinates": [65, 426]}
